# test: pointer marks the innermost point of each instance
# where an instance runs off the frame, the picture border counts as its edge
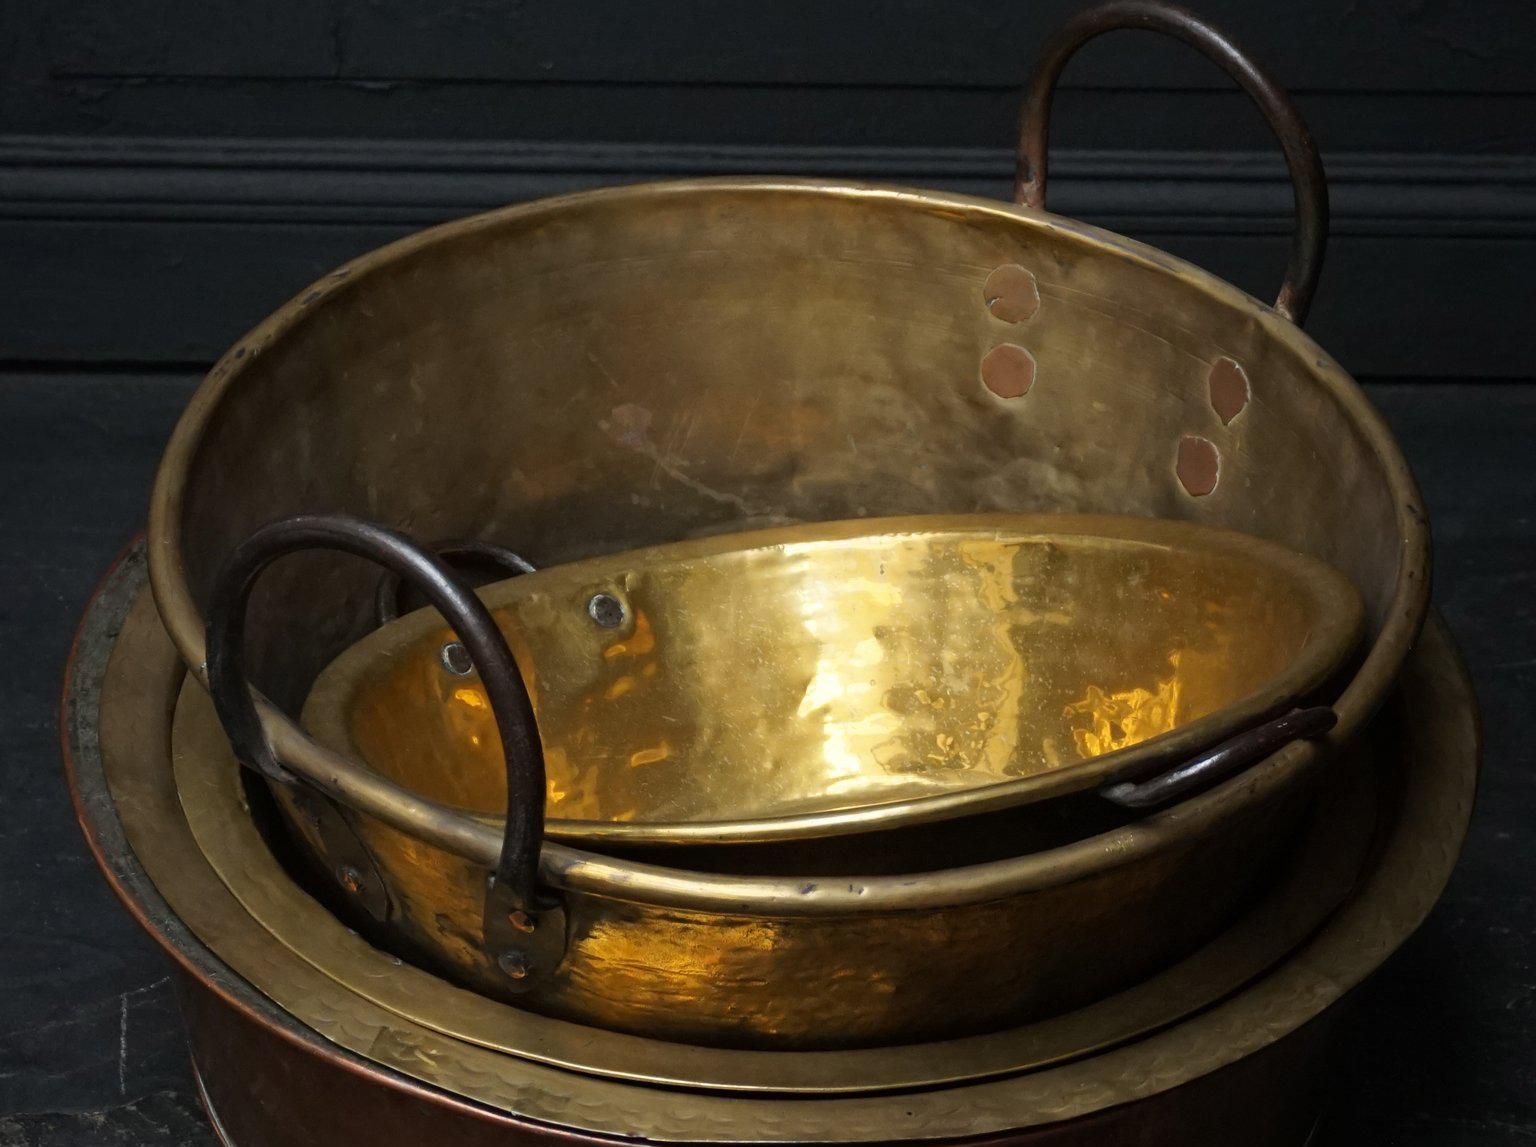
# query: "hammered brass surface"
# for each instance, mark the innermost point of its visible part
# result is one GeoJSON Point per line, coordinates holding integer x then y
{"type": "Point", "coordinates": [1438, 762]}
{"type": "Point", "coordinates": [764, 677]}
{"type": "Point", "coordinates": [213, 797]}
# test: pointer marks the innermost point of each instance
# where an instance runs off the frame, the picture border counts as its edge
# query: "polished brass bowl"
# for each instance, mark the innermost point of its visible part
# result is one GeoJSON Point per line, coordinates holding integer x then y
{"type": "Point", "coordinates": [848, 676]}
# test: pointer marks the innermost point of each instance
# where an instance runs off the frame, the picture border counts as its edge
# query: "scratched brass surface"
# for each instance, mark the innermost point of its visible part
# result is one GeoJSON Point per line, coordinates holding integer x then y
{"type": "Point", "coordinates": [1434, 754]}
{"type": "Point", "coordinates": [760, 679]}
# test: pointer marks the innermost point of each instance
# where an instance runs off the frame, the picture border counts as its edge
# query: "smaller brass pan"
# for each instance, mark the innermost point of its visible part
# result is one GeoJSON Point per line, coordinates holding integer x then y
{"type": "Point", "coordinates": [850, 676]}
{"type": "Point", "coordinates": [941, 948]}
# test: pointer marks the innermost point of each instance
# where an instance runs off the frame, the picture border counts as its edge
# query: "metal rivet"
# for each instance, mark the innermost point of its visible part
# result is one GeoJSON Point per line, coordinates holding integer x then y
{"type": "Point", "coordinates": [606, 610]}
{"type": "Point", "coordinates": [1011, 293]}
{"type": "Point", "coordinates": [514, 964]}
{"type": "Point", "coordinates": [1228, 386]}
{"type": "Point", "coordinates": [455, 659]}
{"type": "Point", "coordinates": [521, 920]}
{"type": "Point", "coordinates": [1008, 370]}
{"type": "Point", "coordinates": [351, 879]}
{"type": "Point", "coordinates": [1198, 465]}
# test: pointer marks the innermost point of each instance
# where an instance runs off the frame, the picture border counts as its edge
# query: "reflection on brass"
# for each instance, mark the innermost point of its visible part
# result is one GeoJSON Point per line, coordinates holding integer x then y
{"type": "Point", "coordinates": [1430, 742]}
{"type": "Point", "coordinates": [753, 685]}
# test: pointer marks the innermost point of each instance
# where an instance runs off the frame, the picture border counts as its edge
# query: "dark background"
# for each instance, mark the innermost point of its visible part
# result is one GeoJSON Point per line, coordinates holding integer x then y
{"type": "Point", "coordinates": [175, 168]}
{"type": "Point", "coordinates": [171, 170]}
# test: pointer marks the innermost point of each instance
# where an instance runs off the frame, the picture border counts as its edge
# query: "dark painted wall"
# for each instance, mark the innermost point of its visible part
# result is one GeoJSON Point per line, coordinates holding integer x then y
{"type": "Point", "coordinates": [170, 170]}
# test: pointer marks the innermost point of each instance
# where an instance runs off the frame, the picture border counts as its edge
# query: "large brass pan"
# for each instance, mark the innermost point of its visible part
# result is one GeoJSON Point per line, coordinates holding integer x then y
{"type": "Point", "coordinates": [623, 368]}
{"type": "Point", "coordinates": [851, 676]}
{"type": "Point", "coordinates": [811, 960]}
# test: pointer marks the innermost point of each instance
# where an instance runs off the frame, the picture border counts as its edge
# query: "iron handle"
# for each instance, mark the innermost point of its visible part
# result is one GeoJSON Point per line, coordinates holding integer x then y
{"type": "Point", "coordinates": [386, 602]}
{"type": "Point", "coordinates": [1310, 237]}
{"type": "Point", "coordinates": [1225, 759]}
{"type": "Point", "coordinates": [513, 906]}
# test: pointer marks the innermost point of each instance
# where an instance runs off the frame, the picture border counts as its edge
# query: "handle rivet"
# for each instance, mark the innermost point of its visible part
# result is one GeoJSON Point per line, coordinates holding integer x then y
{"type": "Point", "coordinates": [455, 659]}
{"type": "Point", "coordinates": [521, 920]}
{"type": "Point", "coordinates": [350, 878]}
{"type": "Point", "coordinates": [606, 610]}
{"type": "Point", "coordinates": [514, 964]}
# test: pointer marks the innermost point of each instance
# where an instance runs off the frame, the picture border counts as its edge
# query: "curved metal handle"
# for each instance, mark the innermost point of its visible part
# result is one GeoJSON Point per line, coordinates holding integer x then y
{"type": "Point", "coordinates": [512, 903]}
{"type": "Point", "coordinates": [1310, 237]}
{"type": "Point", "coordinates": [1229, 757]}
{"type": "Point", "coordinates": [455, 551]}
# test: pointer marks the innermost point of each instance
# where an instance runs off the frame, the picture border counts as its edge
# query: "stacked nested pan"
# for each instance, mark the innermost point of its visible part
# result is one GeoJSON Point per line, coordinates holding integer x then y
{"type": "Point", "coordinates": [921, 645]}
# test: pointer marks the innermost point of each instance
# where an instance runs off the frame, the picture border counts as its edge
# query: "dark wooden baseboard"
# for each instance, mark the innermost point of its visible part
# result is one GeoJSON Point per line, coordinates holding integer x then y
{"type": "Point", "coordinates": [164, 251]}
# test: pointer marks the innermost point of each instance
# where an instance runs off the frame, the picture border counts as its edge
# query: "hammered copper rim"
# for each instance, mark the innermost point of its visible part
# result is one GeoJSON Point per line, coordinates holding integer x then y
{"type": "Point", "coordinates": [115, 758]}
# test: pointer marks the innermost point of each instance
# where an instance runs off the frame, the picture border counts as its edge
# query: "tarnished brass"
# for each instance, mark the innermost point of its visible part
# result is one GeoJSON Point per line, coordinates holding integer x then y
{"type": "Point", "coordinates": [851, 676]}
{"type": "Point", "coordinates": [1429, 741]}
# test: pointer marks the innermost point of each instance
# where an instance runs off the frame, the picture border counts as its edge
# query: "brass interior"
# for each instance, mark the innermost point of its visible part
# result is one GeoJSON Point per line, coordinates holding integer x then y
{"type": "Point", "coordinates": [783, 673]}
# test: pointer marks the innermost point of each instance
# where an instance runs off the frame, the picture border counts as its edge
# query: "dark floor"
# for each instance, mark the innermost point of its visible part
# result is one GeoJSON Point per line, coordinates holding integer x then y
{"type": "Point", "coordinates": [1442, 1051]}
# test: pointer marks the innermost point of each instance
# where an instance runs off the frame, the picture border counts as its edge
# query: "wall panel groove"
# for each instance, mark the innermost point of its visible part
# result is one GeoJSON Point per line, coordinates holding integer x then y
{"type": "Point", "coordinates": [149, 250]}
